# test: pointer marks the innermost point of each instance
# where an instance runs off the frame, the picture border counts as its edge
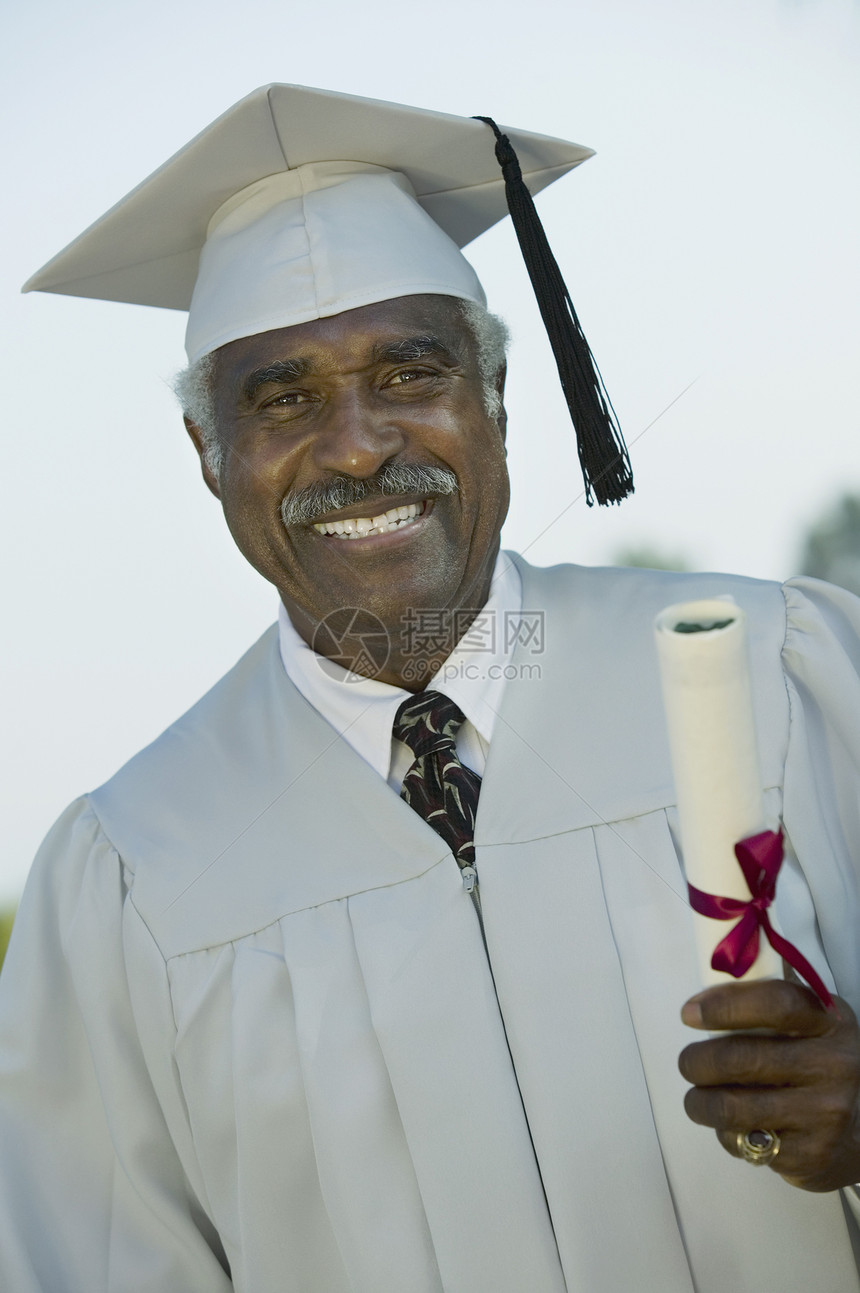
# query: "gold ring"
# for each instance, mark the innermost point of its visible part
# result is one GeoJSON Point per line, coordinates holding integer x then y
{"type": "Point", "coordinates": [758, 1147]}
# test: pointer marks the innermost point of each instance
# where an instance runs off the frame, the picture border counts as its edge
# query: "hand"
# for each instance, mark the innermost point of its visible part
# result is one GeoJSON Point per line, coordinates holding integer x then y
{"type": "Point", "coordinates": [801, 1080]}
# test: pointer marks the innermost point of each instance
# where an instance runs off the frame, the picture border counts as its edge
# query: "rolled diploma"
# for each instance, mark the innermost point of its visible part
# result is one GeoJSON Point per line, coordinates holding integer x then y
{"type": "Point", "coordinates": [708, 701]}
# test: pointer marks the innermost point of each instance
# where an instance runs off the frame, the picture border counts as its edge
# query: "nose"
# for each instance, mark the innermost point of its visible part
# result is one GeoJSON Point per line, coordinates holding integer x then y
{"type": "Point", "coordinates": [356, 438]}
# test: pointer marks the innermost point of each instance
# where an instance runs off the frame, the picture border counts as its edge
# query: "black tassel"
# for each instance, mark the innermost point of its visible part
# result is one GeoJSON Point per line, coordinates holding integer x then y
{"type": "Point", "coordinates": [603, 454]}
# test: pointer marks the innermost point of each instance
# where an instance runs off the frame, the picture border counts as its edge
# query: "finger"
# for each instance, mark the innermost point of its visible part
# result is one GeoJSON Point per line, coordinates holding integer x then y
{"type": "Point", "coordinates": [762, 1003]}
{"type": "Point", "coordinates": [800, 1161]}
{"type": "Point", "coordinates": [730, 1142]}
{"type": "Point", "coordinates": [729, 1109]}
{"type": "Point", "coordinates": [746, 1059]}
{"type": "Point", "coordinates": [790, 1161]}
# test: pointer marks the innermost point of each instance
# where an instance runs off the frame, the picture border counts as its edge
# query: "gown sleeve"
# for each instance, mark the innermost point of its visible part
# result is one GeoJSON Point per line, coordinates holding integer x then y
{"type": "Point", "coordinates": [93, 1197]}
{"type": "Point", "coordinates": [821, 659]}
{"type": "Point", "coordinates": [821, 807]}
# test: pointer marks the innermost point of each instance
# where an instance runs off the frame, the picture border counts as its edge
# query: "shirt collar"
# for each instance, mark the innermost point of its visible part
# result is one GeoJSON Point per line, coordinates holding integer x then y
{"type": "Point", "coordinates": [362, 710]}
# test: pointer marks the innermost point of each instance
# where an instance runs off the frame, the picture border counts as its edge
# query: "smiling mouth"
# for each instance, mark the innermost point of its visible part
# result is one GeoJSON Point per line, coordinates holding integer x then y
{"type": "Point", "coordinates": [365, 527]}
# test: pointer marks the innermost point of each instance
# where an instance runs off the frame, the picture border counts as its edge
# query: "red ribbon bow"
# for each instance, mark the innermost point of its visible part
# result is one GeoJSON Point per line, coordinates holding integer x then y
{"type": "Point", "coordinates": [760, 857]}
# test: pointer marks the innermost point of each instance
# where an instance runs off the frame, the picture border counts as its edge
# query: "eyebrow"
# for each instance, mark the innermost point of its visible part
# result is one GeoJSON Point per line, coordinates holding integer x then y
{"type": "Point", "coordinates": [281, 370]}
{"type": "Point", "coordinates": [411, 348]}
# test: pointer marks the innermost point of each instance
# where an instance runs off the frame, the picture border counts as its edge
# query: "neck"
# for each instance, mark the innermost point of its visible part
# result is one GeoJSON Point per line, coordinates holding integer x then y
{"type": "Point", "coordinates": [405, 653]}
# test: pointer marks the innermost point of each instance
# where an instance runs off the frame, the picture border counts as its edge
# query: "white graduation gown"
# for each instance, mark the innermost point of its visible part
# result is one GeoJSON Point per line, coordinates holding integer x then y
{"type": "Point", "coordinates": [249, 1036]}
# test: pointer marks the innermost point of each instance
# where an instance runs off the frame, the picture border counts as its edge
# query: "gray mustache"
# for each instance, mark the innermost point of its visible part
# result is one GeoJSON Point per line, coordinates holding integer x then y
{"type": "Point", "coordinates": [303, 506]}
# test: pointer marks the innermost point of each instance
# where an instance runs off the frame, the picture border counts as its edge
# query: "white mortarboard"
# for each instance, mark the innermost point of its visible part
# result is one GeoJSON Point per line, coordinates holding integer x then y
{"type": "Point", "coordinates": [297, 204]}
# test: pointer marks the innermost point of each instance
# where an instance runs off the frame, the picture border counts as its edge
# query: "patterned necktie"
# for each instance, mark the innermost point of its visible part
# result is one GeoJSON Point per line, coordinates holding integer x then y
{"type": "Point", "coordinates": [438, 786]}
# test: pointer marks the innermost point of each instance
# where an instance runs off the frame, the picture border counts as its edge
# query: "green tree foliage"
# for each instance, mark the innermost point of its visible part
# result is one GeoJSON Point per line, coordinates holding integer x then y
{"type": "Point", "coordinates": [649, 557]}
{"type": "Point", "coordinates": [831, 550]}
{"type": "Point", "coordinates": [6, 918]}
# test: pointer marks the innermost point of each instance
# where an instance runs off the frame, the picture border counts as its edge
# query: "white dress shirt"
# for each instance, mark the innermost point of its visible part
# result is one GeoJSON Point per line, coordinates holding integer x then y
{"type": "Point", "coordinates": [362, 709]}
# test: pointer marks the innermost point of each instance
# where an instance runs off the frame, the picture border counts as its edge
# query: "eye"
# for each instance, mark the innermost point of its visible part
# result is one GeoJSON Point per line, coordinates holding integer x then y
{"type": "Point", "coordinates": [409, 376]}
{"type": "Point", "coordinates": [286, 399]}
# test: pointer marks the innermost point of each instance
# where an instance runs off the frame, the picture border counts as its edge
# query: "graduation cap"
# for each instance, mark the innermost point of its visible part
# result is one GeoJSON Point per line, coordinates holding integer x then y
{"type": "Point", "coordinates": [298, 204]}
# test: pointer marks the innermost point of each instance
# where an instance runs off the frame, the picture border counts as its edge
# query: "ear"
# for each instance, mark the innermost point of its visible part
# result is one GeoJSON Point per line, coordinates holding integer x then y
{"type": "Point", "coordinates": [502, 418]}
{"type": "Point", "coordinates": [198, 441]}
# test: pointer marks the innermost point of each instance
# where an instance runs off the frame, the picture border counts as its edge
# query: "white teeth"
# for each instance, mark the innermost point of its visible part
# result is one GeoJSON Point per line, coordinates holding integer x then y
{"type": "Point", "coordinates": [361, 526]}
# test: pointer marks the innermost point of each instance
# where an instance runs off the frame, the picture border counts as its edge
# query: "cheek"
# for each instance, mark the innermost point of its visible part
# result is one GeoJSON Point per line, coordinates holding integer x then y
{"type": "Point", "coordinates": [251, 500]}
{"type": "Point", "coordinates": [256, 476]}
{"type": "Point", "coordinates": [492, 476]}
{"type": "Point", "coordinates": [502, 497]}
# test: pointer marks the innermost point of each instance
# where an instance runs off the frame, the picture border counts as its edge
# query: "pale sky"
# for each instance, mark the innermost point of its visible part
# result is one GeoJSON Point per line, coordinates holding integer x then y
{"type": "Point", "coordinates": [712, 241]}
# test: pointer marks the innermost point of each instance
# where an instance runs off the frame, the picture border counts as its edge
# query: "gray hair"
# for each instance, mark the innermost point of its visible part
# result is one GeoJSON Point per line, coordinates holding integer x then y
{"type": "Point", "coordinates": [194, 386]}
{"type": "Point", "coordinates": [492, 338]}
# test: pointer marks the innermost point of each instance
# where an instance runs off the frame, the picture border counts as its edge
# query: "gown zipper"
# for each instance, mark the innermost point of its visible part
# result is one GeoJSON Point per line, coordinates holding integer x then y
{"type": "Point", "coordinates": [470, 883]}
{"type": "Point", "coordinates": [469, 876]}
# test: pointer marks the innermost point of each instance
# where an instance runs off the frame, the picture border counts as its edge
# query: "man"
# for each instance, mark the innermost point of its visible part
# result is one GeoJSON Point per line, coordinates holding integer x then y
{"type": "Point", "coordinates": [265, 1028]}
